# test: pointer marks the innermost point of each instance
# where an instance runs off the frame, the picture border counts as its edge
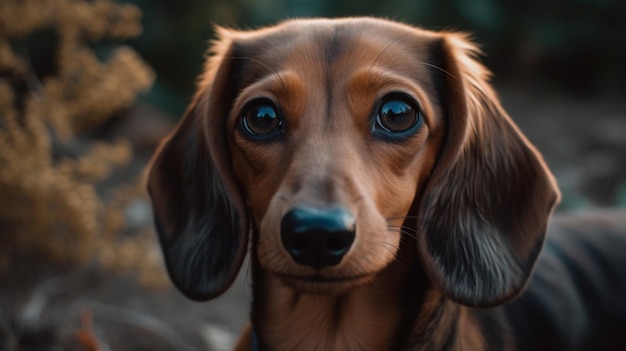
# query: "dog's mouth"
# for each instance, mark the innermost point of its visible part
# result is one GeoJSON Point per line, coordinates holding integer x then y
{"type": "Point", "coordinates": [324, 284]}
{"type": "Point", "coordinates": [322, 278]}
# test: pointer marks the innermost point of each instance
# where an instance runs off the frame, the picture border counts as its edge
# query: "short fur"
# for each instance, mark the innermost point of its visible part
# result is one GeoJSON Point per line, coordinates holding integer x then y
{"type": "Point", "coordinates": [450, 222]}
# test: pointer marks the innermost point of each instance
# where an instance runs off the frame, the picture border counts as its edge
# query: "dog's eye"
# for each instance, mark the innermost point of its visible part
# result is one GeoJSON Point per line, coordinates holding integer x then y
{"type": "Point", "coordinates": [261, 120]}
{"type": "Point", "coordinates": [397, 115]}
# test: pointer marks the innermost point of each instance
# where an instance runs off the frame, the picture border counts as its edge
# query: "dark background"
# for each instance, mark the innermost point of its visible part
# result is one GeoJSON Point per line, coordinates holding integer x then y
{"type": "Point", "coordinates": [576, 46]}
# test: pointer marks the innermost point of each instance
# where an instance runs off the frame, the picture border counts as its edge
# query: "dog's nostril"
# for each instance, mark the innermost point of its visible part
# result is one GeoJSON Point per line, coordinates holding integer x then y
{"type": "Point", "coordinates": [317, 237]}
{"type": "Point", "coordinates": [298, 245]}
{"type": "Point", "coordinates": [338, 246]}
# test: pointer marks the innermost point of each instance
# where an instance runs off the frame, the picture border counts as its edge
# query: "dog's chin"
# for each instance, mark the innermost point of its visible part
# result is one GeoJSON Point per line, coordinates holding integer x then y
{"type": "Point", "coordinates": [319, 284]}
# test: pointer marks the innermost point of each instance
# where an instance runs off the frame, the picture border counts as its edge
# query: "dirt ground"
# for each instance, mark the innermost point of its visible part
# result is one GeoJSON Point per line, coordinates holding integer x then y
{"type": "Point", "coordinates": [48, 307]}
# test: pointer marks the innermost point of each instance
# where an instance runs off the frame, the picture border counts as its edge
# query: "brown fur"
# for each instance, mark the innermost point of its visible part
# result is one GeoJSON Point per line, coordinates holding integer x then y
{"type": "Point", "coordinates": [449, 218]}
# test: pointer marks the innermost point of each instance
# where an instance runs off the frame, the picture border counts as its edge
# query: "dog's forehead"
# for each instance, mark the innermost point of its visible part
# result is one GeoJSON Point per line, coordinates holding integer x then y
{"type": "Point", "coordinates": [325, 41]}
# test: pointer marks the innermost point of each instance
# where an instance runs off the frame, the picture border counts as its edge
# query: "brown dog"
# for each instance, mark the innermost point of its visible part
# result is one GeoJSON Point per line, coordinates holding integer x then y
{"type": "Point", "coordinates": [387, 196]}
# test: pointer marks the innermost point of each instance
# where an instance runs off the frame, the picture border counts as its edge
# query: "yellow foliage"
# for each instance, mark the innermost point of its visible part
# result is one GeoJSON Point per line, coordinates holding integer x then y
{"type": "Point", "coordinates": [50, 206]}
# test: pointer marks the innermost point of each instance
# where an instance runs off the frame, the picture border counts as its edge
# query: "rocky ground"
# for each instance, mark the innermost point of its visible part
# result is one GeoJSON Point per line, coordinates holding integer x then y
{"type": "Point", "coordinates": [49, 307]}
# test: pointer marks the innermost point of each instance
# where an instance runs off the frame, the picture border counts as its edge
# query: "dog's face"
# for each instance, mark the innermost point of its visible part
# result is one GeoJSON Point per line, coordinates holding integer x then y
{"type": "Point", "coordinates": [320, 136]}
{"type": "Point", "coordinates": [333, 118]}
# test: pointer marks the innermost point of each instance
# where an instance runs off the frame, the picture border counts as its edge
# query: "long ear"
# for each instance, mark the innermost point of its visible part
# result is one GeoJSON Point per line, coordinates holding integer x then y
{"type": "Point", "coordinates": [200, 216]}
{"type": "Point", "coordinates": [487, 203]}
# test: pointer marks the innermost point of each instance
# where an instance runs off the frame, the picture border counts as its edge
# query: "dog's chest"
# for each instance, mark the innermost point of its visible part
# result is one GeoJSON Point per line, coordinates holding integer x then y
{"type": "Point", "coordinates": [306, 322]}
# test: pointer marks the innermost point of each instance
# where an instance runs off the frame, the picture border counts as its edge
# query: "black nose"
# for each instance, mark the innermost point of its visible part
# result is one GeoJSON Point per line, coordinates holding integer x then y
{"type": "Point", "coordinates": [317, 238]}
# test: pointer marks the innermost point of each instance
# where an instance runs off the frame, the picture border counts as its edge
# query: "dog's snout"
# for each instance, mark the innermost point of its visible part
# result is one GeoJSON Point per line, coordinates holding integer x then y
{"type": "Point", "coordinates": [317, 238]}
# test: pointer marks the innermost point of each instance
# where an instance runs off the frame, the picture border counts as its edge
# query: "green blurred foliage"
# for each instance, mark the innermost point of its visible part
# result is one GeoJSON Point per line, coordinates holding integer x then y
{"type": "Point", "coordinates": [577, 45]}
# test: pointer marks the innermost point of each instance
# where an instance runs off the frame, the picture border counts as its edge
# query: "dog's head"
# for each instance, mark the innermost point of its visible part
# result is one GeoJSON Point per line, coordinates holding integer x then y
{"type": "Point", "coordinates": [320, 137]}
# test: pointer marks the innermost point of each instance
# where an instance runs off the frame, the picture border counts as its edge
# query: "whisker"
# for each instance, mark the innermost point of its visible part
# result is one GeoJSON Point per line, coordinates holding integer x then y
{"type": "Point", "coordinates": [420, 218]}
{"type": "Point", "coordinates": [394, 249]}
{"type": "Point", "coordinates": [380, 54]}
{"type": "Point", "coordinates": [404, 217]}
{"type": "Point", "coordinates": [403, 228]}
{"type": "Point", "coordinates": [438, 68]}
{"type": "Point", "coordinates": [380, 73]}
{"type": "Point", "coordinates": [404, 231]}
{"type": "Point", "coordinates": [268, 68]}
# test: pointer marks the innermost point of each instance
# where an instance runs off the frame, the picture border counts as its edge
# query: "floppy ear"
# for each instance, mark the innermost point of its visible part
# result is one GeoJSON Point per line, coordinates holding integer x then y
{"type": "Point", "coordinates": [200, 215]}
{"type": "Point", "coordinates": [487, 203]}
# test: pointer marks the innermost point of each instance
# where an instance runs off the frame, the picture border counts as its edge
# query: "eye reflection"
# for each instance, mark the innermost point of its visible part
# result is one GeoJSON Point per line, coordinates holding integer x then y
{"type": "Point", "coordinates": [396, 117]}
{"type": "Point", "coordinates": [261, 120]}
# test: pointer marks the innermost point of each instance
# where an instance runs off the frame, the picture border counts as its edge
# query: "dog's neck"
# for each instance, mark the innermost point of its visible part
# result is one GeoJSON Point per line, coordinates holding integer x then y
{"type": "Point", "coordinates": [377, 316]}
{"type": "Point", "coordinates": [366, 318]}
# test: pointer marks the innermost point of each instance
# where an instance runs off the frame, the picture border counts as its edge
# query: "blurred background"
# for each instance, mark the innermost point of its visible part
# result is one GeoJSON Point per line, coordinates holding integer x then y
{"type": "Point", "coordinates": [89, 87]}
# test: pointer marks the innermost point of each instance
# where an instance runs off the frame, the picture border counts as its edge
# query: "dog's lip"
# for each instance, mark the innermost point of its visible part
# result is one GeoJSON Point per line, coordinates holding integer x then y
{"type": "Point", "coordinates": [314, 278]}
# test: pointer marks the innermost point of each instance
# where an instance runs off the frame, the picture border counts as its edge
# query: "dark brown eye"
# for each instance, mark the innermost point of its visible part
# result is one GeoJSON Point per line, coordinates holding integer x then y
{"type": "Point", "coordinates": [261, 120]}
{"type": "Point", "coordinates": [396, 118]}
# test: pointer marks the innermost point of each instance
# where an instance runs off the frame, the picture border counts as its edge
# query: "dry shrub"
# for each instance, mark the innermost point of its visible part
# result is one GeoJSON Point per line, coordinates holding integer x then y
{"type": "Point", "coordinates": [48, 200]}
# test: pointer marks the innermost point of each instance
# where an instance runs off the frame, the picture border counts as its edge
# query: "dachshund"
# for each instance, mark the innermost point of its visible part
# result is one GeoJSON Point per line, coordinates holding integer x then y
{"type": "Point", "coordinates": [387, 200]}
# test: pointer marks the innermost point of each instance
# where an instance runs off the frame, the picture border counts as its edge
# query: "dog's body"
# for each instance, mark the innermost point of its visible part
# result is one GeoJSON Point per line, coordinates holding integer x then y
{"type": "Point", "coordinates": [575, 299]}
{"type": "Point", "coordinates": [390, 200]}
